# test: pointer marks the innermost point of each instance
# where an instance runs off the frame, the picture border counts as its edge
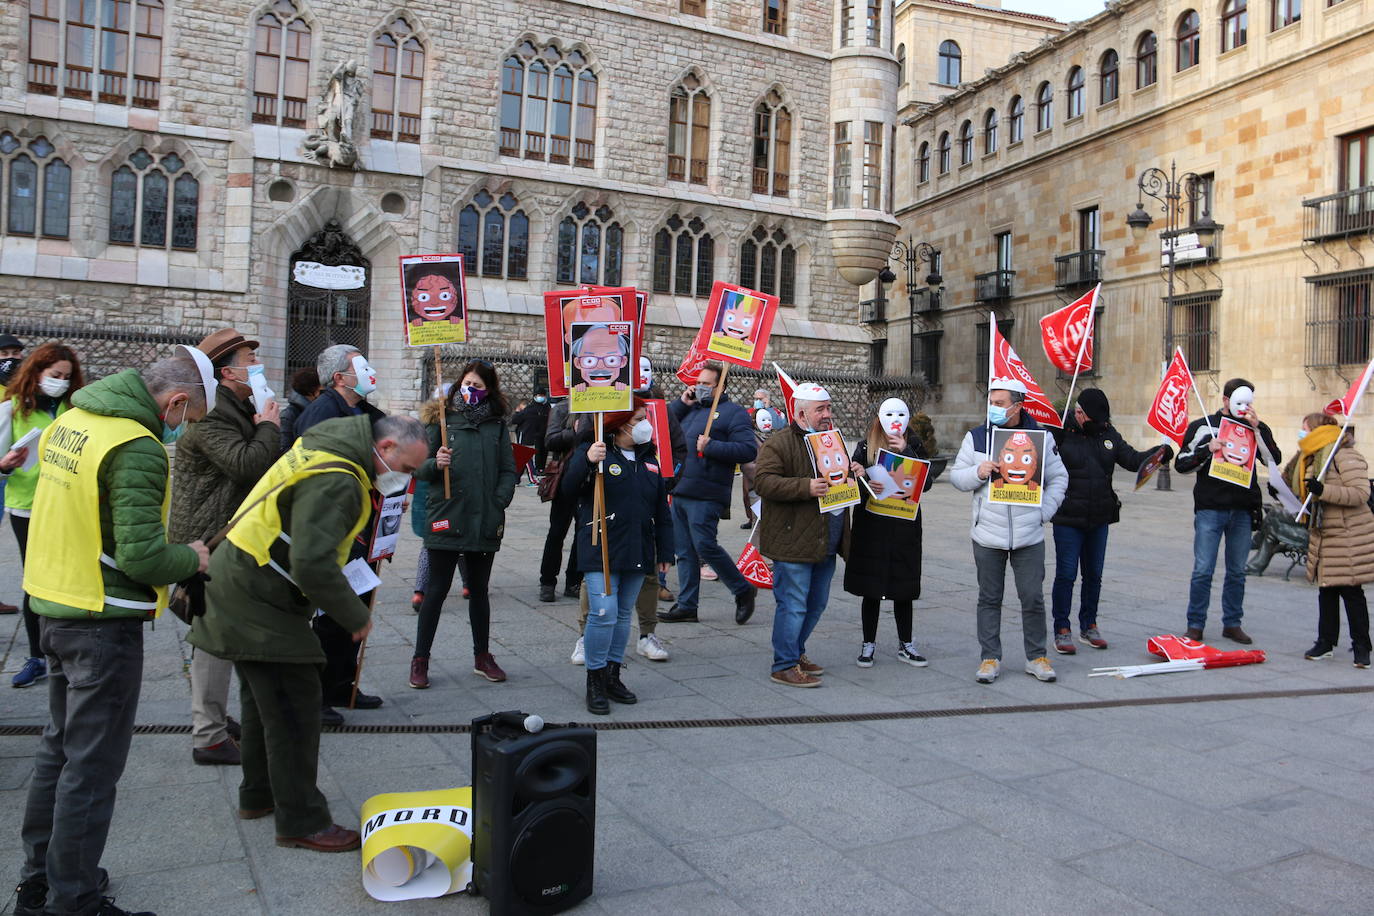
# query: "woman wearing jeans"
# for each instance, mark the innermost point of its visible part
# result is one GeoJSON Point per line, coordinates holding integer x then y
{"type": "Point", "coordinates": [467, 526]}
{"type": "Point", "coordinates": [1091, 449]}
{"type": "Point", "coordinates": [640, 530]}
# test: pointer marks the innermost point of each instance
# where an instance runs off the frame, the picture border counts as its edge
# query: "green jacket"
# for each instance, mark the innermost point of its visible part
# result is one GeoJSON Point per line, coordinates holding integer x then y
{"type": "Point", "coordinates": [791, 528]}
{"type": "Point", "coordinates": [252, 613]}
{"type": "Point", "coordinates": [482, 483]}
{"type": "Point", "coordinates": [132, 480]}
{"type": "Point", "coordinates": [218, 460]}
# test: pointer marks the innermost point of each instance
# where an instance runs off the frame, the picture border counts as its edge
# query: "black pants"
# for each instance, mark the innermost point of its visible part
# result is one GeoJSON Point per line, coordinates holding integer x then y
{"type": "Point", "coordinates": [21, 534]}
{"type": "Point", "coordinates": [562, 512]}
{"type": "Point", "coordinates": [442, 564]}
{"type": "Point", "coordinates": [901, 610]}
{"type": "Point", "coordinates": [281, 745]}
{"type": "Point", "coordinates": [340, 659]}
{"type": "Point", "coordinates": [1329, 615]}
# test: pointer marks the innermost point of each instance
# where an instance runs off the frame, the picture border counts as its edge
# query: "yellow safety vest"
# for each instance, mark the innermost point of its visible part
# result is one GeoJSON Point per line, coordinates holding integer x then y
{"type": "Point", "coordinates": [257, 522]}
{"type": "Point", "coordinates": [65, 565]}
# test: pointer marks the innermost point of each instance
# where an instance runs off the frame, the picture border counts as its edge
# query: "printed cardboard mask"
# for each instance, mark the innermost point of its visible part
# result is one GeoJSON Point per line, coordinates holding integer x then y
{"type": "Point", "coordinates": [1241, 400]}
{"type": "Point", "coordinates": [831, 461]}
{"type": "Point", "coordinates": [599, 356]}
{"type": "Point", "coordinates": [1238, 447]}
{"type": "Point", "coordinates": [895, 416]}
{"type": "Point", "coordinates": [1018, 460]}
{"type": "Point", "coordinates": [763, 419]}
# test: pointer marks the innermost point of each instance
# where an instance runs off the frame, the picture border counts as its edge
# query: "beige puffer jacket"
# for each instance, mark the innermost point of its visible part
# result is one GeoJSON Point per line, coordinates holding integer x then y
{"type": "Point", "coordinates": [1341, 550]}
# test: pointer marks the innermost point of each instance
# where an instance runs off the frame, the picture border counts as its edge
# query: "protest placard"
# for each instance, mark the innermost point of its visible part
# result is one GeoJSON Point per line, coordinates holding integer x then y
{"type": "Point", "coordinates": [435, 299]}
{"type": "Point", "coordinates": [562, 308]}
{"type": "Point", "coordinates": [601, 366]}
{"type": "Point", "coordinates": [895, 483]}
{"type": "Point", "coordinates": [1019, 476]}
{"type": "Point", "coordinates": [830, 460]}
{"type": "Point", "coordinates": [1235, 463]}
{"type": "Point", "coordinates": [738, 323]}
{"type": "Point", "coordinates": [387, 531]}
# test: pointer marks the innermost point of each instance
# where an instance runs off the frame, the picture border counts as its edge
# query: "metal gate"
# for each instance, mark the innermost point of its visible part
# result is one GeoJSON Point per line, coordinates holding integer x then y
{"type": "Point", "coordinates": [328, 298]}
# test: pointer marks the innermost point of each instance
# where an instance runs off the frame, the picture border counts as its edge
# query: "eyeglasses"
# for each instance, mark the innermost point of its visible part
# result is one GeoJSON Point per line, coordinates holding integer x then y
{"type": "Point", "coordinates": [614, 361]}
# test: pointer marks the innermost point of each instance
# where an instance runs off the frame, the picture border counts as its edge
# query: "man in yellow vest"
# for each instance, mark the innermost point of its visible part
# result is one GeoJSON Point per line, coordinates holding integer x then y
{"type": "Point", "coordinates": [98, 566]}
{"type": "Point", "coordinates": [284, 556]}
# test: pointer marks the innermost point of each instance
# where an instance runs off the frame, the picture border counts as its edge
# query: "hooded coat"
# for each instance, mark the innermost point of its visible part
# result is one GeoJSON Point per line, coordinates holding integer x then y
{"type": "Point", "coordinates": [885, 553]}
{"type": "Point", "coordinates": [482, 482]}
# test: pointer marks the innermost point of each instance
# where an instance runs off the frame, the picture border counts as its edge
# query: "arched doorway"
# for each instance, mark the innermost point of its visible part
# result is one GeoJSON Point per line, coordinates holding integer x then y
{"type": "Point", "coordinates": [328, 297]}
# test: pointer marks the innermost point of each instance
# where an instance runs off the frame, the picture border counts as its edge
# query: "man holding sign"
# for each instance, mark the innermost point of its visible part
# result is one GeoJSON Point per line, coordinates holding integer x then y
{"type": "Point", "coordinates": [1224, 498]}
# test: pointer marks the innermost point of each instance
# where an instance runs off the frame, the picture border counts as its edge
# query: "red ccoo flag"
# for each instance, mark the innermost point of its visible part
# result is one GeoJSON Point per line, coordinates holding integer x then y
{"type": "Point", "coordinates": [1346, 406]}
{"type": "Point", "coordinates": [1006, 364]}
{"type": "Point", "coordinates": [1169, 412]}
{"type": "Point", "coordinates": [1066, 334]}
{"type": "Point", "coordinates": [696, 357]}
{"type": "Point", "coordinates": [788, 387]}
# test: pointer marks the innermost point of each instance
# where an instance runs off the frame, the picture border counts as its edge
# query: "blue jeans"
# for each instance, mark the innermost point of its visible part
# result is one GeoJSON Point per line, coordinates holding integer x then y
{"type": "Point", "coordinates": [800, 591]}
{"type": "Point", "coordinates": [1209, 525]}
{"type": "Point", "coordinates": [608, 616]}
{"type": "Point", "coordinates": [694, 533]}
{"type": "Point", "coordinates": [1075, 548]}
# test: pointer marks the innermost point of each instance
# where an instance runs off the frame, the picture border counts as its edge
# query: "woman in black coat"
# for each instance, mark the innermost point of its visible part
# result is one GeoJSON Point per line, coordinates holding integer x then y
{"type": "Point", "coordinates": [1091, 449]}
{"type": "Point", "coordinates": [884, 559]}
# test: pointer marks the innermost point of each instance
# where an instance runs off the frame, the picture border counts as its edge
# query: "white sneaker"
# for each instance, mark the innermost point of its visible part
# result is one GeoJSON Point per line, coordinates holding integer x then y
{"type": "Point", "coordinates": [579, 655]}
{"type": "Point", "coordinates": [651, 648]}
{"type": "Point", "coordinates": [866, 653]}
{"type": "Point", "coordinates": [988, 670]}
{"type": "Point", "coordinates": [908, 654]}
{"type": "Point", "coordinates": [1039, 668]}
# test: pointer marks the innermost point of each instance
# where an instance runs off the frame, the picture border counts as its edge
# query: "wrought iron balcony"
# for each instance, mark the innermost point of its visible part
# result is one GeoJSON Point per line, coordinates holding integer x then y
{"type": "Point", "coordinates": [1081, 268]}
{"type": "Point", "coordinates": [873, 311]}
{"type": "Point", "coordinates": [1338, 215]}
{"type": "Point", "coordinates": [924, 301]}
{"type": "Point", "coordinates": [991, 287]}
{"type": "Point", "coordinates": [1188, 249]}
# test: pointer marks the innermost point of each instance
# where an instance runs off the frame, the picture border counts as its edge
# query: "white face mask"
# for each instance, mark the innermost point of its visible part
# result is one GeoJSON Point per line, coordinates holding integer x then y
{"type": "Point", "coordinates": [367, 377]}
{"type": "Point", "coordinates": [642, 432]}
{"type": "Point", "coordinates": [1241, 399]}
{"type": "Point", "coordinates": [54, 387]}
{"type": "Point", "coordinates": [390, 482]}
{"type": "Point", "coordinates": [895, 416]}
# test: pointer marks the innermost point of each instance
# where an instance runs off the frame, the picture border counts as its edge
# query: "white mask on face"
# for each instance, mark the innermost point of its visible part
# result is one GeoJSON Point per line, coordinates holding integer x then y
{"type": "Point", "coordinates": [367, 377]}
{"type": "Point", "coordinates": [895, 416]}
{"type": "Point", "coordinates": [54, 387]}
{"type": "Point", "coordinates": [390, 482]}
{"type": "Point", "coordinates": [1241, 400]}
{"type": "Point", "coordinates": [642, 432]}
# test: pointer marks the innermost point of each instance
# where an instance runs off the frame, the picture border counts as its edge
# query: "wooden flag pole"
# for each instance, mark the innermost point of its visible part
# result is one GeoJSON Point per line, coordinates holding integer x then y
{"type": "Point", "coordinates": [443, 425]}
{"type": "Point", "coordinates": [362, 646]}
{"type": "Point", "coordinates": [715, 401]}
{"type": "Point", "coordinates": [599, 512]}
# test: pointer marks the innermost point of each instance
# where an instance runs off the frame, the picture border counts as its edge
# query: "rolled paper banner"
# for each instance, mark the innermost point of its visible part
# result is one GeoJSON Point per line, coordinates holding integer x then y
{"type": "Point", "coordinates": [396, 866]}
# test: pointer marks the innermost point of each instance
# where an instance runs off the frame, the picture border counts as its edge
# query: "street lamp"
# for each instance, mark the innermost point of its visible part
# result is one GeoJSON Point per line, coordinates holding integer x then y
{"type": "Point", "coordinates": [1174, 192]}
{"type": "Point", "coordinates": [910, 254]}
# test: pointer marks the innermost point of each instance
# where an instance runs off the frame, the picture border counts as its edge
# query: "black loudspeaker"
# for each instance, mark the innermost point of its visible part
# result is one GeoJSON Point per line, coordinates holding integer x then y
{"type": "Point", "coordinates": [534, 812]}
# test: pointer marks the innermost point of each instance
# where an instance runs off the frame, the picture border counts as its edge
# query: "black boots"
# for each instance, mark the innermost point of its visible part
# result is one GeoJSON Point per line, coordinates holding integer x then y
{"type": "Point", "coordinates": [597, 704]}
{"type": "Point", "coordinates": [615, 687]}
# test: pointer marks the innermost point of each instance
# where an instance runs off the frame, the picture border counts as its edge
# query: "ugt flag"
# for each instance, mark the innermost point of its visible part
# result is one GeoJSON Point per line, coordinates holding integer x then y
{"type": "Point", "coordinates": [1006, 364]}
{"type": "Point", "coordinates": [1346, 406]}
{"type": "Point", "coordinates": [1067, 333]}
{"type": "Point", "coordinates": [1169, 412]}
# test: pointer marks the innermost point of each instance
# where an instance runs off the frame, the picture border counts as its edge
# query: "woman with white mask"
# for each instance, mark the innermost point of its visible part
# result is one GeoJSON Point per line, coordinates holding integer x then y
{"type": "Point", "coordinates": [39, 393]}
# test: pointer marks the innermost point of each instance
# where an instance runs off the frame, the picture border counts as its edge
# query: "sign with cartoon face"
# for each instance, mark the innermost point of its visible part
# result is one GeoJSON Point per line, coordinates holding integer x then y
{"type": "Point", "coordinates": [435, 300]}
{"type": "Point", "coordinates": [602, 355]}
{"type": "Point", "coordinates": [1020, 468]}
{"type": "Point", "coordinates": [830, 461]}
{"type": "Point", "coordinates": [738, 323]}
{"type": "Point", "coordinates": [897, 490]}
{"type": "Point", "coordinates": [1150, 467]}
{"type": "Point", "coordinates": [1235, 463]}
{"type": "Point", "coordinates": [563, 309]}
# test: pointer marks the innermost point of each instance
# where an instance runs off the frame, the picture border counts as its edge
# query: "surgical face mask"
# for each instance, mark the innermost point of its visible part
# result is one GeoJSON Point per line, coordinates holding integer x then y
{"type": "Point", "coordinates": [473, 396]}
{"type": "Point", "coordinates": [539, 399]}
{"type": "Point", "coordinates": [54, 387]}
{"type": "Point", "coordinates": [366, 375]}
{"type": "Point", "coordinates": [757, 403]}
{"type": "Point", "coordinates": [1302, 434]}
{"type": "Point", "coordinates": [642, 432]}
{"type": "Point", "coordinates": [390, 482]}
{"type": "Point", "coordinates": [705, 392]}
{"type": "Point", "coordinates": [997, 416]}
{"type": "Point", "coordinates": [170, 433]}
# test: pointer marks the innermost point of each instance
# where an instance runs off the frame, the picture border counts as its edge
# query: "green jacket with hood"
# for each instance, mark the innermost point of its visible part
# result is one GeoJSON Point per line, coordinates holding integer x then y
{"type": "Point", "coordinates": [252, 612]}
{"type": "Point", "coordinates": [482, 482]}
{"type": "Point", "coordinates": [133, 483]}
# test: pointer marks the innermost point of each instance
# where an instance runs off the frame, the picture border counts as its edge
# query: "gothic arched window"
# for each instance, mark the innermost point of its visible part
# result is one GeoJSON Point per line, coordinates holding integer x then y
{"type": "Point", "coordinates": [37, 188]}
{"type": "Point", "coordinates": [398, 83]}
{"type": "Point", "coordinates": [281, 66]}
{"type": "Point", "coordinates": [684, 258]}
{"type": "Point", "coordinates": [591, 247]}
{"type": "Point", "coordinates": [154, 203]}
{"type": "Point", "coordinates": [548, 101]}
{"type": "Point", "coordinates": [494, 237]}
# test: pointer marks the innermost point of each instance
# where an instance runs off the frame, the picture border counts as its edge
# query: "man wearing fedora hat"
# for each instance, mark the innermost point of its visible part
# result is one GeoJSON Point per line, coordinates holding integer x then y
{"type": "Point", "coordinates": [218, 462]}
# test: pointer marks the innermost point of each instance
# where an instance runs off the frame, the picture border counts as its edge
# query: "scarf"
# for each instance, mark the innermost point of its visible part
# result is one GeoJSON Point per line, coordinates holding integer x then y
{"type": "Point", "coordinates": [477, 413]}
{"type": "Point", "coordinates": [1312, 451]}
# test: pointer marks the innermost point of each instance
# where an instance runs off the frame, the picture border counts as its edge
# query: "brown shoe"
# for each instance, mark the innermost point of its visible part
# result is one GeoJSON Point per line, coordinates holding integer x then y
{"type": "Point", "coordinates": [794, 677]}
{"type": "Point", "coordinates": [486, 666]}
{"type": "Point", "coordinates": [664, 594]}
{"type": "Point", "coordinates": [331, 839]}
{"type": "Point", "coordinates": [224, 754]}
{"type": "Point", "coordinates": [8, 608]}
{"type": "Point", "coordinates": [1236, 634]}
{"type": "Point", "coordinates": [810, 667]}
{"type": "Point", "coordinates": [1193, 633]}
{"type": "Point", "coordinates": [419, 673]}
{"type": "Point", "coordinates": [252, 814]}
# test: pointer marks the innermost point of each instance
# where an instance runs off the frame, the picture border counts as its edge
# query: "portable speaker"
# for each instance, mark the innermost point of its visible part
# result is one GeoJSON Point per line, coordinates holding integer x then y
{"type": "Point", "coordinates": [534, 811]}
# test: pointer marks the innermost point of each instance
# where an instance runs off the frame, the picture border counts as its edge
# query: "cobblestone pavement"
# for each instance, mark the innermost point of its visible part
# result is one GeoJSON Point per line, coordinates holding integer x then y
{"type": "Point", "coordinates": [1225, 804]}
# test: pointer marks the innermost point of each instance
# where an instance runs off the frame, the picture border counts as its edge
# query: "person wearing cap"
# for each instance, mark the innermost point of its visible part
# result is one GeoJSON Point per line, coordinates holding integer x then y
{"type": "Point", "coordinates": [1091, 449]}
{"type": "Point", "coordinates": [1222, 509]}
{"type": "Point", "coordinates": [702, 494]}
{"type": "Point", "coordinates": [11, 355]}
{"type": "Point", "coordinates": [638, 532]}
{"type": "Point", "coordinates": [801, 541]}
{"type": "Point", "coordinates": [39, 393]}
{"type": "Point", "coordinates": [219, 461]}
{"type": "Point", "coordinates": [1005, 534]}
{"type": "Point", "coordinates": [98, 566]}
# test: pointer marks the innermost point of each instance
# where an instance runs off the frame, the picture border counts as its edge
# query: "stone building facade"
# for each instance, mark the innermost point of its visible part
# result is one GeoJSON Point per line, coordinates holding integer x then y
{"type": "Point", "coordinates": [159, 170]}
{"type": "Point", "coordinates": [1025, 177]}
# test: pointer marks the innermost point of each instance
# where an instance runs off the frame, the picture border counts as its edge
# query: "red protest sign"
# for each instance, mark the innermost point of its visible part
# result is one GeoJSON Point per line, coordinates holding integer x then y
{"type": "Point", "coordinates": [1006, 364]}
{"type": "Point", "coordinates": [1067, 334]}
{"type": "Point", "coordinates": [1169, 412]}
{"type": "Point", "coordinates": [656, 411]}
{"type": "Point", "coordinates": [751, 564]}
{"type": "Point", "coordinates": [436, 303]}
{"type": "Point", "coordinates": [738, 323]}
{"type": "Point", "coordinates": [563, 307]}
{"type": "Point", "coordinates": [642, 305]}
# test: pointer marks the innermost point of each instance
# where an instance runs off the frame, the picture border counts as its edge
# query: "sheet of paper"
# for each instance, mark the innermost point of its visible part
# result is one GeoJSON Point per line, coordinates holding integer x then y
{"type": "Point", "coordinates": [360, 576]}
{"type": "Point", "coordinates": [1286, 496]}
{"type": "Point", "coordinates": [29, 441]}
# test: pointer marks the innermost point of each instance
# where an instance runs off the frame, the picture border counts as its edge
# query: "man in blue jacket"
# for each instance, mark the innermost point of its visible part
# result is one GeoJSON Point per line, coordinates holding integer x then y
{"type": "Point", "coordinates": [703, 492]}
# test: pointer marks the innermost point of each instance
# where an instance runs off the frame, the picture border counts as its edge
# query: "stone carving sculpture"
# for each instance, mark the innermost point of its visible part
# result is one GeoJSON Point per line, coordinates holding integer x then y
{"type": "Point", "coordinates": [332, 142]}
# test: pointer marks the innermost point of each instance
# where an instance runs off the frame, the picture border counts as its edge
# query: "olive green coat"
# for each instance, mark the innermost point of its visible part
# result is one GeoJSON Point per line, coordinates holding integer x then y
{"type": "Point", "coordinates": [482, 482]}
